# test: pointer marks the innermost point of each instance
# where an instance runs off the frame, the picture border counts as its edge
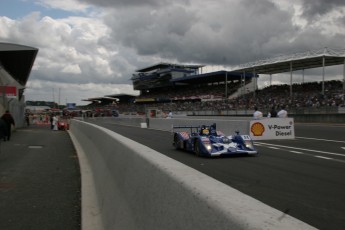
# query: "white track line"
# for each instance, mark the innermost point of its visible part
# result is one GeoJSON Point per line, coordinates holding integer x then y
{"type": "Point", "coordinates": [309, 150]}
{"type": "Point", "coordinates": [327, 158]}
{"type": "Point", "coordinates": [297, 152]}
{"type": "Point", "coordinates": [317, 139]}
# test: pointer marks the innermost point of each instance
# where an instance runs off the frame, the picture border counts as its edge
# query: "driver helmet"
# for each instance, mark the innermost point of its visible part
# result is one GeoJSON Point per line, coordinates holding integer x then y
{"type": "Point", "coordinates": [205, 132]}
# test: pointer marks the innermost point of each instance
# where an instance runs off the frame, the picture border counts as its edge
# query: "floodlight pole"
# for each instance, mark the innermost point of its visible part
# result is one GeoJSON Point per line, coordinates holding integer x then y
{"type": "Point", "coordinates": [291, 79]}
{"type": "Point", "coordinates": [344, 83]}
{"type": "Point", "coordinates": [53, 96]}
{"type": "Point", "coordinates": [302, 76]}
{"type": "Point", "coordinates": [241, 84]}
{"type": "Point", "coordinates": [270, 79]}
{"type": "Point", "coordinates": [244, 82]}
{"type": "Point", "coordinates": [254, 83]}
{"type": "Point", "coordinates": [323, 75]}
{"type": "Point", "coordinates": [226, 84]}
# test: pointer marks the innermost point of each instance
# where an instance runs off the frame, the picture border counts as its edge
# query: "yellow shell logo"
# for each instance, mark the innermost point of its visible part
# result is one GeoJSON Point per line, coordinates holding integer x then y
{"type": "Point", "coordinates": [257, 129]}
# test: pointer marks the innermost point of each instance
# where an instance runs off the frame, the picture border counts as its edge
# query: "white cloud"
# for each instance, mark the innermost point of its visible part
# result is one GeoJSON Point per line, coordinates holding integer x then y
{"type": "Point", "coordinates": [96, 52]}
{"type": "Point", "coordinates": [67, 5]}
{"type": "Point", "coordinates": [71, 69]}
{"type": "Point", "coordinates": [66, 93]}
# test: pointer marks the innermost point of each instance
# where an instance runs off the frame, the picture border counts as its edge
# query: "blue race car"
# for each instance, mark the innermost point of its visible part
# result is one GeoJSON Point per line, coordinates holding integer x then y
{"type": "Point", "coordinates": [208, 141]}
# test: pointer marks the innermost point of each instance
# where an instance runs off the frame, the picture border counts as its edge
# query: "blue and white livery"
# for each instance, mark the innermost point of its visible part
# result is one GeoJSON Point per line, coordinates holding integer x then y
{"type": "Point", "coordinates": [208, 141]}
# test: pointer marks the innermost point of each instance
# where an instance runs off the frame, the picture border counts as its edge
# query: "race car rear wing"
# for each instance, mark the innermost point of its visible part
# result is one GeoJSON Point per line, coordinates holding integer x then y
{"type": "Point", "coordinates": [193, 129]}
{"type": "Point", "coordinates": [185, 127]}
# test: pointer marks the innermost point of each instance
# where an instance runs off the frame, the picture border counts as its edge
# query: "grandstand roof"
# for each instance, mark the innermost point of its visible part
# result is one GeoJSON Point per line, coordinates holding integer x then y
{"type": "Point", "coordinates": [166, 65]}
{"type": "Point", "coordinates": [298, 61]}
{"type": "Point", "coordinates": [17, 60]}
{"type": "Point", "coordinates": [123, 97]}
{"type": "Point", "coordinates": [114, 97]}
{"type": "Point", "coordinates": [218, 76]}
{"type": "Point", "coordinates": [93, 99]}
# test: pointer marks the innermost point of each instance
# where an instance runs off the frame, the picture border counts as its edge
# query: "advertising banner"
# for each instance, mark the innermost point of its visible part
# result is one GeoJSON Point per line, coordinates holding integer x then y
{"type": "Point", "coordinates": [272, 128]}
{"type": "Point", "coordinates": [71, 105]}
{"type": "Point", "coordinates": [9, 91]}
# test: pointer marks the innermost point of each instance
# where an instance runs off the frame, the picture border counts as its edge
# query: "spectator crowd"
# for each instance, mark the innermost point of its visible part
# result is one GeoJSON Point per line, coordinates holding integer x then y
{"type": "Point", "coordinates": [306, 95]}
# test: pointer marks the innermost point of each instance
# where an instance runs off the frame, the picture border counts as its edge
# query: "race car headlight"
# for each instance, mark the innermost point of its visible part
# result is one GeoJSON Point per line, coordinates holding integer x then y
{"type": "Point", "coordinates": [249, 145]}
{"type": "Point", "coordinates": [208, 147]}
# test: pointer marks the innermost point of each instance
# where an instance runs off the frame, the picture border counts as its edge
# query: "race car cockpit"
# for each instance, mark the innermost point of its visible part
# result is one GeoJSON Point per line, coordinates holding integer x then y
{"type": "Point", "coordinates": [208, 130]}
{"type": "Point", "coordinates": [204, 130]}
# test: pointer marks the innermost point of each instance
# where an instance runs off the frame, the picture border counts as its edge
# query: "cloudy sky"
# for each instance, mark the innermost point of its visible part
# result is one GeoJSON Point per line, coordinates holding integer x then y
{"type": "Point", "coordinates": [91, 48]}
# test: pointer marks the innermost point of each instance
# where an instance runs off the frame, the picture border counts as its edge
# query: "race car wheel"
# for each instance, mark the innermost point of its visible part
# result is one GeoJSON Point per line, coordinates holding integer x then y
{"type": "Point", "coordinates": [177, 142]}
{"type": "Point", "coordinates": [197, 148]}
{"type": "Point", "coordinates": [256, 155]}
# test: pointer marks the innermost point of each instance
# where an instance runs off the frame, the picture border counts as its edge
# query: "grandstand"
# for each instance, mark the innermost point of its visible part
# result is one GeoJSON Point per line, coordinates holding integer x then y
{"type": "Point", "coordinates": [306, 99]}
{"type": "Point", "coordinates": [159, 75]}
{"type": "Point", "coordinates": [320, 58]}
{"type": "Point", "coordinates": [185, 89]}
{"type": "Point", "coordinates": [166, 82]}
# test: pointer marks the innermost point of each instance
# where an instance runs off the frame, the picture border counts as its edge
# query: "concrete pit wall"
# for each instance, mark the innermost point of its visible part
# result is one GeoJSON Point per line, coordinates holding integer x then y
{"type": "Point", "coordinates": [139, 188]}
{"type": "Point", "coordinates": [227, 125]}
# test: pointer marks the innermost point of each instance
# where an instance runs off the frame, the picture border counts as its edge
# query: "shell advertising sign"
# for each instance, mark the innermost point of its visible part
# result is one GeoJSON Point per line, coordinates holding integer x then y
{"type": "Point", "coordinates": [272, 128]}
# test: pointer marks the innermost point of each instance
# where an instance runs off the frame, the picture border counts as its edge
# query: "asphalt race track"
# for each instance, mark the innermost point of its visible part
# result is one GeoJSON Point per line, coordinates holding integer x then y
{"type": "Point", "coordinates": [304, 178]}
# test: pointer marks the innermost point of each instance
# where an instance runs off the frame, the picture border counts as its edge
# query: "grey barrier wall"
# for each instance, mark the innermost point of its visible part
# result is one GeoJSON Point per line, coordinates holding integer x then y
{"type": "Point", "coordinates": [139, 188]}
{"type": "Point", "coordinates": [123, 120]}
{"type": "Point", "coordinates": [228, 125]}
